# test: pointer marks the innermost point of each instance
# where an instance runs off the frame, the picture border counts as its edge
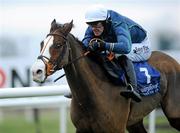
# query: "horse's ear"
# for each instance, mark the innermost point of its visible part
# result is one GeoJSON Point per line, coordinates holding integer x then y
{"type": "Point", "coordinates": [71, 23]}
{"type": "Point", "coordinates": [53, 22]}
{"type": "Point", "coordinates": [67, 27]}
{"type": "Point", "coordinates": [53, 25]}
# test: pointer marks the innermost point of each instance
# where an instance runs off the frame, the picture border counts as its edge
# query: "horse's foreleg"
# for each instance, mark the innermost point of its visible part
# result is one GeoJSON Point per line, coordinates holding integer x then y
{"type": "Point", "coordinates": [137, 128]}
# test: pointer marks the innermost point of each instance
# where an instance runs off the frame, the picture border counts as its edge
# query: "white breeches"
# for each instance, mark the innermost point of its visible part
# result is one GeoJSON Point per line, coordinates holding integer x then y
{"type": "Point", "coordinates": [140, 51]}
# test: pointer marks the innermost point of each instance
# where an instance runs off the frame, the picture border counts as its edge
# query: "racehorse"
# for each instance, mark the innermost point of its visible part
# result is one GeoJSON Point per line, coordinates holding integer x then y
{"type": "Point", "coordinates": [96, 105]}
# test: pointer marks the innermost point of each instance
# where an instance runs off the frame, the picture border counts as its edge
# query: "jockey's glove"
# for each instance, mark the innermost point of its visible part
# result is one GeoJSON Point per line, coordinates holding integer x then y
{"type": "Point", "coordinates": [96, 46]}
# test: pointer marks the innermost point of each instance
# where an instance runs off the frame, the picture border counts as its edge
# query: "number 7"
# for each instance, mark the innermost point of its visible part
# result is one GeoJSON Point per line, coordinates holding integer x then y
{"type": "Point", "coordinates": [143, 69]}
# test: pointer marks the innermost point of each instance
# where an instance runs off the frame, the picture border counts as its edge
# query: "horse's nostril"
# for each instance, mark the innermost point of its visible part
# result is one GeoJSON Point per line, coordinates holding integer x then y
{"type": "Point", "coordinates": [39, 71]}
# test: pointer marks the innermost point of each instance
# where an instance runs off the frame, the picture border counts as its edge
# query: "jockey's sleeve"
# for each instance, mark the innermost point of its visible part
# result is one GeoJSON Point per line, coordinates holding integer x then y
{"type": "Point", "coordinates": [123, 44]}
{"type": "Point", "coordinates": [87, 37]}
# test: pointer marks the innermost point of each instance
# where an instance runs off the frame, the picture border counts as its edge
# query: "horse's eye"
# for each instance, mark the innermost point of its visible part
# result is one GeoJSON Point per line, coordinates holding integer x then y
{"type": "Point", "coordinates": [57, 46]}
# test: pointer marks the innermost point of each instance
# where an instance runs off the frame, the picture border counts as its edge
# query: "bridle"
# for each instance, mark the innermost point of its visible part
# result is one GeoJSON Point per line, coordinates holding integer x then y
{"type": "Point", "coordinates": [52, 67]}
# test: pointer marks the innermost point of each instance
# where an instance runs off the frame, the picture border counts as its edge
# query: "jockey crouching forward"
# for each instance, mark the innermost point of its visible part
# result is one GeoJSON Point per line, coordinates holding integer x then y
{"type": "Point", "coordinates": [122, 36]}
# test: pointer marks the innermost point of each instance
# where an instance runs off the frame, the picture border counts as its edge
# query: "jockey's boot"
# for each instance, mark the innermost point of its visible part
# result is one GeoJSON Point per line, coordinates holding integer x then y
{"type": "Point", "coordinates": [68, 95]}
{"type": "Point", "coordinates": [131, 91]}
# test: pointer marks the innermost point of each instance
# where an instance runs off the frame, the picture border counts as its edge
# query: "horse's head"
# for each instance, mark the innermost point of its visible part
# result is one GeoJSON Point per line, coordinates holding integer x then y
{"type": "Point", "coordinates": [54, 52]}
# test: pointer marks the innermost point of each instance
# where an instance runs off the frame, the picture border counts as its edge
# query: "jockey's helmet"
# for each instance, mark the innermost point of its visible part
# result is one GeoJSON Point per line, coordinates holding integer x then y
{"type": "Point", "coordinates": [96, 13]}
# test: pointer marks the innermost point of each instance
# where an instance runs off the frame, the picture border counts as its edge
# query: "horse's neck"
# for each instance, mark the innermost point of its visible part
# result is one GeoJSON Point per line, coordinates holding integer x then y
{"type": "Point", "coordinates": [83, 82]}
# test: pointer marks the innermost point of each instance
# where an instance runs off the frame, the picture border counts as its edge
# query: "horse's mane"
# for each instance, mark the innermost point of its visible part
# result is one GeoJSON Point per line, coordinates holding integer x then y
{"type": "Point", "coordinates": [76, 39]}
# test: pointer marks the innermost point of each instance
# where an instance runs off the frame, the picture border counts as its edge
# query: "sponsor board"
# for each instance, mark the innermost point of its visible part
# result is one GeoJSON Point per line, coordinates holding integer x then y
{"type": "Point", "coordinates": [16, 72]}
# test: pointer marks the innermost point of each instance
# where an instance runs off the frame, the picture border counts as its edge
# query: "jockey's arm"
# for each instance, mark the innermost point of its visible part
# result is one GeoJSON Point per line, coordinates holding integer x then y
{"type": "Point", "coordinates": [87, 37]}
{"type": "Point", "coordinates": [123, 44]}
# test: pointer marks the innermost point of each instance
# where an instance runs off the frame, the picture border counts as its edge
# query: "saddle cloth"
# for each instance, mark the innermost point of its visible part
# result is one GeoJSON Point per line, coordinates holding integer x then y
{"type": "Point", "coordinates": [148, 78]}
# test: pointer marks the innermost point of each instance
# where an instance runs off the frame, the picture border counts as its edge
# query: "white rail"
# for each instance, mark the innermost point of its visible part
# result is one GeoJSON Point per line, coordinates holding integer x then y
{"type": "Point", "coordinates": [152, 119]}
{"type": "Point", "coordinates": [33, 91]}
{"type": "Point", "coordinates": [35, 102]}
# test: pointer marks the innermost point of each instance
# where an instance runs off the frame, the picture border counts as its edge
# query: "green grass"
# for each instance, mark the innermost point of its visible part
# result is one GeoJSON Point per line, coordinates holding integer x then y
{"type": "Point", "coordinates": [48, 122]}
{"type": "Point", "coordinates": [162, 125]}
{"type": "Point", "coordinates": [14, 121]}
{"type": "Point", "coordinates": [16, 125]}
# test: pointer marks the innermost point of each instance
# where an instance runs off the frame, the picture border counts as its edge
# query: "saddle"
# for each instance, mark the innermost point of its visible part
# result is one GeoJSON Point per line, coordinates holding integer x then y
{"type": "Point", "coordinates": [114, 71]}
{"type": "Point", "coordinates": [148, 78]}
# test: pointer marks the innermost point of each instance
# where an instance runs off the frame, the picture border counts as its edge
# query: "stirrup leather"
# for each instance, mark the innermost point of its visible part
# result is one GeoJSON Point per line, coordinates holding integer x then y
{"type": "Point", "coordinates": [131, 93]}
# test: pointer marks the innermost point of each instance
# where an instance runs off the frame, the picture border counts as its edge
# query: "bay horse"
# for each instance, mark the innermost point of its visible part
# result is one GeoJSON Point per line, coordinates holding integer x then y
{"type": "Point", "coordinates": [96, 105]}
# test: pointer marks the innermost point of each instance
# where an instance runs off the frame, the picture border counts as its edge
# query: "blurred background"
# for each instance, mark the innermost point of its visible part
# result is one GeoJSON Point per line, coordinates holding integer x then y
{"type": "Point", "coordinates": [25, 23]}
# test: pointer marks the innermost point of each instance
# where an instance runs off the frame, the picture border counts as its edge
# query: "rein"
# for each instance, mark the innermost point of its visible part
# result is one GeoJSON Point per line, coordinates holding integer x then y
{"type": "Point", "coordinates": [71, 62]}
{"type": "Point", "coordinates": [84, 54]}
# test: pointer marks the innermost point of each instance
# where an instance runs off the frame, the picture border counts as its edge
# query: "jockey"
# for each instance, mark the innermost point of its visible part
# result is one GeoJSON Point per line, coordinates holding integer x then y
{"type": "Point", "coordinates": [122, 36]}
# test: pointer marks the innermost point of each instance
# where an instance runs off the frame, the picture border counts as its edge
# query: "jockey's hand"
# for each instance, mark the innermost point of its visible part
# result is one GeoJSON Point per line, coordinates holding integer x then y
{"type": "Point", "coordinates": [96, 46]}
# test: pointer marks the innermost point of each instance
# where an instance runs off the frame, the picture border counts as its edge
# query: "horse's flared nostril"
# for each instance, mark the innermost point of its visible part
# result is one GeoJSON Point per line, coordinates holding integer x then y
{"type": "Point", "coordinates": [39, 71]}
